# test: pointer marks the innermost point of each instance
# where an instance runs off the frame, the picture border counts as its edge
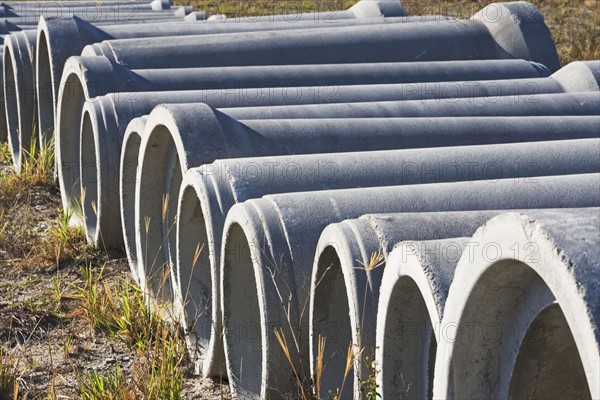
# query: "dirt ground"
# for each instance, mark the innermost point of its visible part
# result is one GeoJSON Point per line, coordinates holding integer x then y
{"type": "Point", "coordinates": [43, 333]}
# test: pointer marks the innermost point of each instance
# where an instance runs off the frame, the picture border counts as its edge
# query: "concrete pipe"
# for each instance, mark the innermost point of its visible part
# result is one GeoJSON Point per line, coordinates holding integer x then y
{"type": "Point", "coordinates": [128, 165]}
{"type": "Point", "coordinates": [518, 31]}
{"type": "Point", "coordinates": [413, 293]}
{"type": "Point", "coordinates": [14, 72]}
{"type": "Point", "coordinates": [86, 77]}
{"type": "Point", "coordinates": [271, 242]}
{"type": "Point", "coordinates": [61, 39]}
{"type": "Point", "coordinates": [185, 136]}
{"type": "Point", "coordinates": [524, 310]}
{"type": "Point", "coordinates": [587, 103]}
{"type": "Point", "coordinates": [209, 192]}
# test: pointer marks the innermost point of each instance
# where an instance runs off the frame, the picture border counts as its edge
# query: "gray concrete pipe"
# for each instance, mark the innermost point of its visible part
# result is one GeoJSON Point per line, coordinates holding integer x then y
{"type": "Point", "coordinates": [412, 296]}
{"type": "Point", "coordinates": [61, 39]}
{"type": "Point", "coordinates": [524, 310]}
{"type": "Point", "coordinates": [587, 103]}
{"type": "Point", "coordinates": [105, 119]}
{"type": "Point", "coordinates": [128, 165]}
{"type": "Point", "coordinates": [271, 242]}
{"type": "Point", "coordinates": [517, 31]}
{"type": "Point", "coordinates": [179, 137]}
{"type": "Point", "coordinates": [209, 192]}
{"type": "Point", "coordinates": [16, 67]}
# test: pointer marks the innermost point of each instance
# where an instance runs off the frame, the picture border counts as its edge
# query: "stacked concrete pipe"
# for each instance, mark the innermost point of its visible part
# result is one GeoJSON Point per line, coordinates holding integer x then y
{"type": "Point", "coordinates": [184, 136]}
{"type": "Point", "coordinates": [525, 309]}
{"type": "Point", "coordinates": [30, 11]}
{"type": "Point", "coordinates": [117, 107]}
{"type": "Point", "coordinates": [353, 289]}
{"type": "Point", "coordinates": [209, 192]}
{"type": "Point", "coordinates": [392, 42]}
{"type": "Point", "coordinates": [87, 77]}
{"type": "Point", "coordinates": [24, 17]}
{"type": "Point", "coordinates": [19, 50]}
{"type": "Point", "coordinates": [519, 31]}
{"type": "Point", "coordinates": [342, 250]}
{"type": "Point", "coordinates": [104, 119]}
{"type": "Point", "coordinates": [61, 39]}
{"type": "Point", "coordinates": [271, 242]}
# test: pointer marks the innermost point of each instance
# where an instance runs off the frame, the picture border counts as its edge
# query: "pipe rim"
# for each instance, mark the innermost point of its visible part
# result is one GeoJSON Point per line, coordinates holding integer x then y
{"type": "Point", "coordinates": [201, 327]}
{"type": "Point", "coordinates": [403, 266]}
{"type": "Point", "coordinates": [129, 159]}
{"type": "Point", "coordinates": [11, 109]}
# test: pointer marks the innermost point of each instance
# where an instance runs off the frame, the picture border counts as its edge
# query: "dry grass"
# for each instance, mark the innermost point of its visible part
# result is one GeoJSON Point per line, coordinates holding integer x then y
{"type": "Point", "coordinates": [72, 325]}
{"type": "Point", "coordinates": [575, 24]}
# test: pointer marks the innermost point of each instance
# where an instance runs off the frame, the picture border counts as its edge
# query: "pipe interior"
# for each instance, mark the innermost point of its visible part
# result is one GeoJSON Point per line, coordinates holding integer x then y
{"type": "Point", "coordinates": [90, 181]}
{"type": "Point", "coordinates": [241, 312]}
{"type": "Point", "coordinates": [72, 100]}
{"type": "Point", "coordinates": [331, 319]}
{"type": "Point", "coordinates": [172, 187]}
{"type": "Point", "coordinates": [409, 344]}
{"type": "Point", "coordinates": [12, 110]}
{"type": "Point", "coordinates": [129, 166]}
{"type": "Point", "coordinates": [548, 365]}
{"type": "Point", "coordinates": [45, 90]}
{"type": "Point", "coordinates": [502, 304]}
{"type": "Point", "coordinates": [153, 195]}
{"type": "Point", "coordinates": [194, 270]}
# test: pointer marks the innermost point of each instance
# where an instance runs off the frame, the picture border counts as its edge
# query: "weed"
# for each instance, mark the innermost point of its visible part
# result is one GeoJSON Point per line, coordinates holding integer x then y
{"type": "Point", "coordinates": [110, 386]}
{"type": "Point", "coordinates": [369, 386]}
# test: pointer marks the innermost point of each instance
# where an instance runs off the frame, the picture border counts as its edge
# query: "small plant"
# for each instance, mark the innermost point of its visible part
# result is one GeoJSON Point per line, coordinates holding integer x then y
{"type": "Point", "coordinates": [351, 356]}
{"type": "Point", "coordinates": [68, 346]}
{"type": "Point", "coordinates": [109, 386]}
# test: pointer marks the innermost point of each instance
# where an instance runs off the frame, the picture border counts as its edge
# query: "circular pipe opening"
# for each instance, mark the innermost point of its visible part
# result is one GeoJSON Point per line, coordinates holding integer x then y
{"type": "Point", "coordinates": [11, 100]}
{"type": "Point", "coordinates": [507, 297]}
{"type": "Point", "coordinates": [128, 171]}
{"type": "Point", "coordinates": [241, 313]}
{"type": "Point", "coordinates": [159, 152]}
{"type": "Point", "coordinates": [194, 276]}
{"type": "Point", "coordinates": [68, 143]}
{"type": "Point", "coordinates": [331, 320]}
{"type": "Point", "coordinates": [548, 365]}
{"type": "Point", "coordinates": [45, 90]}
{"type": "Point", "coordinates": [90, 178]}
{"type": "Point", "coordinates": [409, 345]}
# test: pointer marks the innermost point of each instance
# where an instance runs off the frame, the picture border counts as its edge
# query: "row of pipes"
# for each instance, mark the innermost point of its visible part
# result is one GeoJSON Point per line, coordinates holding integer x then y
{"type": "Point", "coordinates": [419, 190]}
